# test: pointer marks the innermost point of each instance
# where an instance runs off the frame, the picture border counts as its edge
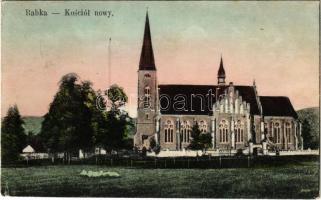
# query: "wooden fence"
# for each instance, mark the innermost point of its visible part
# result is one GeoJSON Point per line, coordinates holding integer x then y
{"type": "Point", "coordinates": [205, 162]}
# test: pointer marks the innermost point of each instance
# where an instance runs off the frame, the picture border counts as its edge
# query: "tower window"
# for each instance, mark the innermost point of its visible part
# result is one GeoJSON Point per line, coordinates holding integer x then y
{"type": "Point", "coordinates": [147, 90]}
{"type": "Point", "coordinates": [147, 97]}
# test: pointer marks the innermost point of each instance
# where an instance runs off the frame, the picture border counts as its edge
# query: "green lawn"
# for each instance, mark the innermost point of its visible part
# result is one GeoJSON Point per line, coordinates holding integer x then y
{"type": "Point", "coordinates": [295, 181]}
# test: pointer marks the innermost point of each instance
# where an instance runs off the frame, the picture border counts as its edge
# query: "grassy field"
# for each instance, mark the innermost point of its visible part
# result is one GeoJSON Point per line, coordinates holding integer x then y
{"type": "Point", "coordinates": [293, 181]}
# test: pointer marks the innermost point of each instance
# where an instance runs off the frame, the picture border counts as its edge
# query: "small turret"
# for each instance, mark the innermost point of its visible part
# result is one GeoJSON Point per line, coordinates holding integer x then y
{"type": "Point", "coordinates": [221, 74]}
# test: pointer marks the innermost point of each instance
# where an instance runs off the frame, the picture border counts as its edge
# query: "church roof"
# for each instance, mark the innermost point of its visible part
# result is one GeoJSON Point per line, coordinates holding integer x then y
{"type": "Point", "coordinates": [200, 108]}
{"type": "Point", "coordinates": [277, 106]}
{"type": "Point", "coordinates": [147, 61]}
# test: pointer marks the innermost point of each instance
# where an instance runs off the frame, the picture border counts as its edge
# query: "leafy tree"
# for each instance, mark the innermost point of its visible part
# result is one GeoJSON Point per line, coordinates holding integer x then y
{"type": "Point", "coordinates": [200, 141]}
{"type": "Point", "coordinates": [67, 126]}
{"type": "Point", "coordinates": [117, 126]}
{"type": "Point", "coordinates": [154, 146]}
{"type": "Point", "coordinates": [13, 137]}
{"type": "Point", "coordinates": [94, 116]}
{"type": "Point", "coordinates": [195, 134]}
{"type": "Point", "coordinates": [119, 122]}
{"type": "Point", "coordinates": [117, 97]}
{"type": "Point", "coordinates": [152, 143]}
{"type": "Point", "coordinates": [77, 118]}
{"type": "Point", "coordinates": [307, 136]}
{"type": "Point", "coordinates": [206, 141]}
{"type": "Point", "coordinates": [310, 120]}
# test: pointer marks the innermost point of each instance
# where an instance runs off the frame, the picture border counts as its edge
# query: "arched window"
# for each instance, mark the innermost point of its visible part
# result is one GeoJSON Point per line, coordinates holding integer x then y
{"type": "Point", "coordinates": [288, 132]}
{"type": "Point", "coordinates": [186, 131]}
{"type": "Point", "coordinates": [203, 126]}
{"type": "Point", "coordinates": [277, 132]}
{"type": "Point", "coordinates": [223, 129]}
{"type": "Point", "coordinates": [169, 132]}
{"type": "Point", "coordinates": [239, 132]}
{"type": "Point", "coordinates": [147, 97]}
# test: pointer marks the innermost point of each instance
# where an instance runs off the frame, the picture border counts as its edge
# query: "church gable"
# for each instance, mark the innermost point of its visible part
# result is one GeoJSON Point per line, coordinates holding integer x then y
{"type": "Point", "coordinates": [232, 103]}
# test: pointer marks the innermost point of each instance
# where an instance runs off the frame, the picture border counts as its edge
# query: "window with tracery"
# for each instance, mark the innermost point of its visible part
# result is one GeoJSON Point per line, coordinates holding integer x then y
{"type": "Point", "coordinates": [277, 132]}
{"type": "Point", "coordinates": [169, 132]}
{"type": "Point", "coordinates": [239, 132]}
{"type": "Point", "coordinates": [288, 130]}
{"type": "Point", "coordinates": [186, 131]}
{"type": "Point", "coordinates": [223, 129]}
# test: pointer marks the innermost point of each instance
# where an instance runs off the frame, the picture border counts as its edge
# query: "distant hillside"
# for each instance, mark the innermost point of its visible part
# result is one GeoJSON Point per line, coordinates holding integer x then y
{"type": "Point", "coordinates": [32, 123]}
{"type": "Point", "coordinates": [309, 118]}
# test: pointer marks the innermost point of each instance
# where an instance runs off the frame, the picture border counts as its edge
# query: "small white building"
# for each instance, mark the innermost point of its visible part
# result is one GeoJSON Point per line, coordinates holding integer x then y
{"type": "Point", "coordinates": [28, 150]}
{"type": "Point", "coordinates": [29, 153]}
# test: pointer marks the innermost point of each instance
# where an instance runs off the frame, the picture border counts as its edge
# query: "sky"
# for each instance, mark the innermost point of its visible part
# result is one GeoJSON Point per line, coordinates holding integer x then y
{"type": "Point", "coordinates": [275, 43]}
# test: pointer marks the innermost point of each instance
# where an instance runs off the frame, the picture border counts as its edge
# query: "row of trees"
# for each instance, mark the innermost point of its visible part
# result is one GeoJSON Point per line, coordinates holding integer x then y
{"type": "Point", "coordinates": [77, 119]}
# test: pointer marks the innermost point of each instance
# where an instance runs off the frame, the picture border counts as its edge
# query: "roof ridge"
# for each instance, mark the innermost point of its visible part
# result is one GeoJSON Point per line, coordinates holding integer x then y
{"type": "Point", "coordinates": [276, 96]}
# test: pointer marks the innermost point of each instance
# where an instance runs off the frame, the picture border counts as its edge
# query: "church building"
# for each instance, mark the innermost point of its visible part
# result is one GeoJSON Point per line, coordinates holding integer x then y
{"type": "Point", "coordinates": [235, 115]}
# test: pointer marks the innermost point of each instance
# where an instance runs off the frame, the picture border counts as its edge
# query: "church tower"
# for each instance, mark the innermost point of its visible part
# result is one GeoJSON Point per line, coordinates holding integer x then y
{"type": "Point", "coordinates": [147, 92]}
{"type": "Point", "coordinates": [221, 74]}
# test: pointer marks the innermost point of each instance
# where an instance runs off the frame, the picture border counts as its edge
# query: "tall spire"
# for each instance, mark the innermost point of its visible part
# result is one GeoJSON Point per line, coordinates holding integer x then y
{"type": "Point", "coordinates": [221, 74]}
{"type": "Point", "coordinates": [147, 61]}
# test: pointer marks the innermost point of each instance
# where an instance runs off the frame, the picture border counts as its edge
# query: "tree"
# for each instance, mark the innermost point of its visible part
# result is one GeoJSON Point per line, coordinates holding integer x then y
{"type": "Point", "coordinates": [200, 141]}
{"type": "Point", "coordinates": [308, 140]}
{"type": "Point", "coordinates": [195, 134]}
{"type": "Point", "coordinates": [118, 126]}
{"type": "Point", "coordinates": [13, 137]}
{"type": "Point", "coordinates": [94, 115]}
{"type": "Point", "coordinates": [206, 141]}
{"type": "Point", "coordinates": [67, 127]}
{"type": "Point", "coordinates": [310, 119]}
{"type": "Point", "coordinates": [117, 97]}
{"type": "Point", "coordinates": [118, 121]}
{"type": "Point", "coordinates": [154, 146]}
{"type": "Point", "coordinates": [77, 119]}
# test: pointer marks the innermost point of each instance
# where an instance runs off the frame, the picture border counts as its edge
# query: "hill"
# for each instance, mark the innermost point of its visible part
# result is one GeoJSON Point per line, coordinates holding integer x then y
{"type": "Point", "coordinates": [32, 123]}
{"type": "Point", "coordinates": [310, 120]}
